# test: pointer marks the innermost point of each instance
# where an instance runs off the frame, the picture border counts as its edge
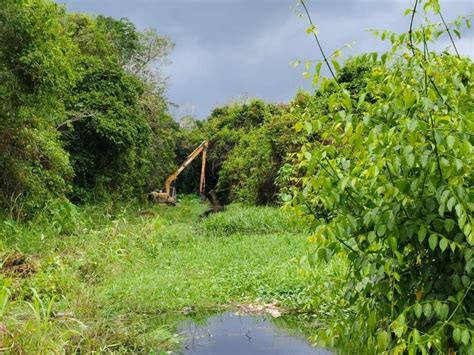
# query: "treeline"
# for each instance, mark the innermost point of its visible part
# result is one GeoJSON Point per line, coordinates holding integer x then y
{"type": "Point", "coordinates": [84, 116]}
{"type": "Point", "coordinates": [253, 144]}
{"type": "Point", "coordinates": [83, 112]}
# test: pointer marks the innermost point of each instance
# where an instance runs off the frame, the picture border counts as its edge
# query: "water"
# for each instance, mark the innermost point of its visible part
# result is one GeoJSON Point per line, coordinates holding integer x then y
{"type": "Point", "coordinates": [230, 334]}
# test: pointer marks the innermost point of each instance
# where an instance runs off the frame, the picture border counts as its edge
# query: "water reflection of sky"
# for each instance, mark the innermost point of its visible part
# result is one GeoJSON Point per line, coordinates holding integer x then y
{"type": "Point", "coordinates": [231, 334]}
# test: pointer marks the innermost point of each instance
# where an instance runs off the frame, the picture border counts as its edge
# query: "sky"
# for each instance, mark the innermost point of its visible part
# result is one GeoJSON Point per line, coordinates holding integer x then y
{"type": "Point", "coordinates": [227, 50]}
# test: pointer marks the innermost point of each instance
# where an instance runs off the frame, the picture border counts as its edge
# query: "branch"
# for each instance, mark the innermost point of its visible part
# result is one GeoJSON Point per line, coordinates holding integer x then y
{"type": "Point", "coordinates": [317, 41]}
{"type": "Point", "coordinates": [79, 117]}
{"type": "Point", "coordinates": [410, 32]}
{"type": "Point", "coordinates": [449, 33]}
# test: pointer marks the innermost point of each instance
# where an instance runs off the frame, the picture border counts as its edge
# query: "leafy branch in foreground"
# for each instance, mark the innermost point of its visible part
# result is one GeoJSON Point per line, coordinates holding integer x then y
{"type": "Point", "coordinates": [388, 180]}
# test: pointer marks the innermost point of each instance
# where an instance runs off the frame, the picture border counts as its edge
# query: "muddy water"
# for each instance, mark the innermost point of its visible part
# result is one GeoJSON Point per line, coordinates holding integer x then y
{"type": "Point", "coordinates": [230, 334]}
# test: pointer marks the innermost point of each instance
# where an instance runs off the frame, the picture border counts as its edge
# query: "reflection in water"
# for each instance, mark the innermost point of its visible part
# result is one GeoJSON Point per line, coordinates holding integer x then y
{"type": "Point", "coordinates": [230, 334]}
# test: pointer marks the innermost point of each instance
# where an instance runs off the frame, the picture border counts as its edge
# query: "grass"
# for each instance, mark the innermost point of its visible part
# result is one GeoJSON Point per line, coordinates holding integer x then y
{"type": "Point", "coordinates": [117, 278]}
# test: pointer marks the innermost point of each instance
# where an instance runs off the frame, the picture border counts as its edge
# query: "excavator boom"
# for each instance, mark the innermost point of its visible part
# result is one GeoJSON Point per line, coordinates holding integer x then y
{"type": "Point", "coordinates": [169, 193]}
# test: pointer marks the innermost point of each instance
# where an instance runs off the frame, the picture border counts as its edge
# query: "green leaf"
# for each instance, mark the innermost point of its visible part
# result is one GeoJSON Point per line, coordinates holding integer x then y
{"type": "Point", "coordinates": [428, 310]}
{"type": "Point", "coordinates": [383, 339]}
{"type": "Point", "coordinates": [449, 224]}
{"type": "Point", "coordinates": [465, 148]}
{"type": "Point", "coordinates": [381, 229]}
{"type": "Point", "coordinates": [418, 309]}
{"type": "Point", "coordinates": [399, 326]}
{"type": "Point", "coordinates": [393, 243]}
{"type": "Point", "coordinates": [443, 244]}
{"type": "Point", "coordinates": [427, 6]}
{"type": "Point", "coordinates": [457, 335]}
{"type": "Point", "coordinates": [451, 203]}
{"type": "Point", "coordinates": [444, 312]}
{"type": "Point", "coordinates": [311, 29]}
{"type": "Point", "coordinates": [466, 281]}
{"type": "Point", "coordinates": [299, 126]}
{"type": "Point", "coordinates": [433, 241]}
{"type": "Point", "coordinates": [450, 140]}
{"type": "Point", "coordinates": [296, 63]}
{"type": "Point", "coordinates": [372, 321]}
{"type": "Point", "coordinates": [437, 305]}
{"type": "Point", "coordinates": [412, 124]}
{"type": "Point", "coordinates": [465, 337]}
{"type": "Point", "coordinates": [421, 234]}
{"type": "Point", "coordinates": [336, 65]}
{"type": "Point", "coordinates": [371, 236]}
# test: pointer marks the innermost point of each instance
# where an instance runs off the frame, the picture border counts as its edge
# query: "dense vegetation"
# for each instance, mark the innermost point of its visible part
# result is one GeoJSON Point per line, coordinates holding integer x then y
{"type": "Point", "coordinates": [376, 163]}
{"type": "Point", "coordinates": [83, 111]}
{"type": "Point", "coordinates": [388, 176]}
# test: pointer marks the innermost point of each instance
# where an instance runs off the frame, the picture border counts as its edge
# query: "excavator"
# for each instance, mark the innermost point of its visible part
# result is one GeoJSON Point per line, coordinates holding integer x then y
{"type": "Point", "coordinates": [169, 193]}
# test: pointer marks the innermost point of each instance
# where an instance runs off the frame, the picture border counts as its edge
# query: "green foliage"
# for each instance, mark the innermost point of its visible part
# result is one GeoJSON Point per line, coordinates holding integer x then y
{"type": "Point", "coordinates": [251, 169]}
{"type": "Point", "coordinates": [122, 35]}
{"type": "Point", "coordinates": [117, 129]}
{"type": "Point", "coordinates": [388, 175]}
{"type": "Point", "coordinates": [109, 147]}
{"type": "Point", "coordinates": [36, 68]}
{"type": "Point", "coordinates": [88, 288]}
{"type": "Point", "coordinates": [248, 144]}
{"type": "Point", "coordinates": [82, 107]}
{"type": "Point", "coordinates": [251, 220]}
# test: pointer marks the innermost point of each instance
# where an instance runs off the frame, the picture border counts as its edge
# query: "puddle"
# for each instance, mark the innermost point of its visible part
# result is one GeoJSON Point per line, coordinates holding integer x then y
{"type": "Point", "coordinates": [232, 334]}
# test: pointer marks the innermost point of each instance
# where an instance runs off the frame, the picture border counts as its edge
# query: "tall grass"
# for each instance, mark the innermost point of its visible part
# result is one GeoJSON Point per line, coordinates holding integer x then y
{"type": "Point", "coordinates": [241, 219]}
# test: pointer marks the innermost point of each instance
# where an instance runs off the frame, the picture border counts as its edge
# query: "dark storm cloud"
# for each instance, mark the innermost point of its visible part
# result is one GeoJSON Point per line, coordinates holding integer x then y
{"type": "Point", "coordinates": [229, 48]}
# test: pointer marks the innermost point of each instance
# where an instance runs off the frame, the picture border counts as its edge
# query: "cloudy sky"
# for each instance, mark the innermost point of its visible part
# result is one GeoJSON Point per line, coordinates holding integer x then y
{"type": "Point", "coordinates": [228, 49]}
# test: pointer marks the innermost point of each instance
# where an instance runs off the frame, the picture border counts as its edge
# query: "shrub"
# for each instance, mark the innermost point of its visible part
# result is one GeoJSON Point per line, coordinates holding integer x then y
{"type": "Point", "coordinates": [388, 178]}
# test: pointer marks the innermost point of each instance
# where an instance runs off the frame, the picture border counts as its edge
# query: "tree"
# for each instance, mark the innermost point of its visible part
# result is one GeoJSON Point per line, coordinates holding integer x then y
{"type": "Point", "coordinates": [36, 69]}
{"type": "Point", "coordinates": [118, 130]}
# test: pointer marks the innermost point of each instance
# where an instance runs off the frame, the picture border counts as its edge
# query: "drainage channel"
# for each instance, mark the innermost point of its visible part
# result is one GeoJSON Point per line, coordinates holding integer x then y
{"type": "Point", "coordinates": [232, 334]}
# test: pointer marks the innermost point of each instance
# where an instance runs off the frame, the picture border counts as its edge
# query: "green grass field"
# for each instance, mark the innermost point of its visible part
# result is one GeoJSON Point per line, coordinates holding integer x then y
{"type": "Point", "coordinates": [118, 278]}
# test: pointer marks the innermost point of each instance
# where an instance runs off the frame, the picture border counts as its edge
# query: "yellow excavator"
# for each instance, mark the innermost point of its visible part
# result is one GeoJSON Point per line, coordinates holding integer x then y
{"type": "Point", "coordinates": [169, 193]}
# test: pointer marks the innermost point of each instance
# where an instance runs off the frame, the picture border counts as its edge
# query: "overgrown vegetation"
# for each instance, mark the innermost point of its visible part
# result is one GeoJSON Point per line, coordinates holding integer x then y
{"type": "Point", "coordinates": [120, 279]}
{"type": "Point", "coordinates": [83, 113]}
{"type": "Point", "coordinates": [376, 165]}
{"type": "Point", "coordinates": [387, 178]}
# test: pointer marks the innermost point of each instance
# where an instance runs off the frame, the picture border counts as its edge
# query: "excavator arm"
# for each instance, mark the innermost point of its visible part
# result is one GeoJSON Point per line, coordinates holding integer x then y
{"type": "Point", "coordinates": [169, 193]}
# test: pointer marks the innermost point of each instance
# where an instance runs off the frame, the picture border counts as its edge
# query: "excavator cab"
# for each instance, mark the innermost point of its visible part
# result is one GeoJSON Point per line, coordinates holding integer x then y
{"type": "Point", "coordinates": [169, 193]}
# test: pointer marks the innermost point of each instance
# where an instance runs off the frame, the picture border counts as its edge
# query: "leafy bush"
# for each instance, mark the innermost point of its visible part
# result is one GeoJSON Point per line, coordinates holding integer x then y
{"type": "Point", "coordinates": [251, 169]}
{"type": "Point", "coordinates": [117, 115]}
{"type": "Point", "coordinates": [388, 176]}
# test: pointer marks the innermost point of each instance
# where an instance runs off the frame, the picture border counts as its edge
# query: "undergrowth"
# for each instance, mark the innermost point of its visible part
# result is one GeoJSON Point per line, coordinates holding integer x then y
{"type": "Point", "coordinates": [250, 219]}
{"type": "Point", "coordinates": [117, 278]}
